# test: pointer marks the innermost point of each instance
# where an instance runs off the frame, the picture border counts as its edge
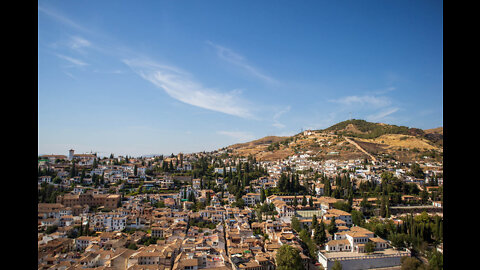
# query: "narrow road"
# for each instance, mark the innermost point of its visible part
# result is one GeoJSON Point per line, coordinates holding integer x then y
{"type": "Point", "coordinates": [360, 148]}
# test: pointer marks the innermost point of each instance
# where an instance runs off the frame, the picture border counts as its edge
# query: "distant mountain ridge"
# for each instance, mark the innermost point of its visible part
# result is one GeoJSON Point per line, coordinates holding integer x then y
{"type": "Point", "coordinates": [369, 130]}
{"type": "Point", "coordinates": [376, 138]}
{"type": "Point", "coordinates": [264, 140]}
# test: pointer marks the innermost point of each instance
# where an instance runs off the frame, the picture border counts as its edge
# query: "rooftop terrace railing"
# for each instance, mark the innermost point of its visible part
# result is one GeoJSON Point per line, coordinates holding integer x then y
{"type": "Point", "coordinates": [371, 256]}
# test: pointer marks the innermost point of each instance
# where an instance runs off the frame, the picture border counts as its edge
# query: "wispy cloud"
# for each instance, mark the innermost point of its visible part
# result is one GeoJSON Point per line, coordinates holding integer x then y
{"type": "Point", "coordinates": [381, 115]}
{"type": "Point", "coordinates": [240, 61]}
{"type": "Point", "coordinates": [74, 61]}
{"type": "Point", "coordinates": [114, 71]}
{"type": "Point", "coordinates": [324, 120]}
{"type": "Point", "coordinates": [363, 100]}
{"type": "Point", "coordinates": [276, 122]}
{"type": "Point", "coordinates": [61, 18]}
{"type": "Point", "coordinates": [383, 91]}
{"type": "Point", "coordinates": [181, 86]}
{"type": "Point", "coordinates": [69, 75]}
{"type": "Point", "coordinates": [239, 136]}
{"type": "Point", "coordinates": [77, 43]}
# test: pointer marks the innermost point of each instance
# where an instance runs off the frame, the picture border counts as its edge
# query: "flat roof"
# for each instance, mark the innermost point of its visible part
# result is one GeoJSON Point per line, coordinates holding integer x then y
{"type": "Point", "coordinates": [351, 255]}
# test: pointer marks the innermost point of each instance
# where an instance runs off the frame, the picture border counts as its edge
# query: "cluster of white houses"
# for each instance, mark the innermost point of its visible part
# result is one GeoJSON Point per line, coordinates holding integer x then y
{"type": "Point", "coordinates": [232, 244]}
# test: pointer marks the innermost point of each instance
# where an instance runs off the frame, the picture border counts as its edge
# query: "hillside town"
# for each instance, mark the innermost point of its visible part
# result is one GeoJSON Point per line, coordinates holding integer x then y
{"type": "Point", "coordinates": [212, 210]}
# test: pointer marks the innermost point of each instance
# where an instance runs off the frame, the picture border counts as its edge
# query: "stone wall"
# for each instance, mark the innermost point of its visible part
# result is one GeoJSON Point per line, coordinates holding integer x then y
{"type": "Point", "coordinates": [363, 262]}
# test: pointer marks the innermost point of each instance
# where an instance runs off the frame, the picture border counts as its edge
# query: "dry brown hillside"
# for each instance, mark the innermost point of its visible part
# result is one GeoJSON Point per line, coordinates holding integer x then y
{"type": "Point", "coordinates": [263, 141]}
{"type": "Point", "coordinates": [438, 130]}
{"type": "Point", "coordinates": [402, 143]}
{"type": "Point", "coordinates": [258, 149]}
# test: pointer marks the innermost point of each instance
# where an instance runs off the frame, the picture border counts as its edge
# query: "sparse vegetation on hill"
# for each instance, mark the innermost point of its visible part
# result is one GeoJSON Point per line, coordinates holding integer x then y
{"type": "Point", "coordinates": [378, 139]}
{"type": "Point", "coordinates": [368, 130]}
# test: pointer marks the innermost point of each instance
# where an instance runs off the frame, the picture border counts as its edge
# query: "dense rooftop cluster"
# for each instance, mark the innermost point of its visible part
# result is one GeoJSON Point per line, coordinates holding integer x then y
{"type": "Point", "coordinates": [217, 211]}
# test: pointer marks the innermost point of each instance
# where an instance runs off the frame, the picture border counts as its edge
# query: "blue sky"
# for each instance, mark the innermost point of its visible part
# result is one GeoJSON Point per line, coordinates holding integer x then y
{"type": "Point", "coordinates": [161, 77]}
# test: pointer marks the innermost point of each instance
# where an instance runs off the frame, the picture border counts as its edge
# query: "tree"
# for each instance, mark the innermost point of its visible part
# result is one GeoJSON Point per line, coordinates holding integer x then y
{"type": "Point", "coordinates": [87, 228]}
{"type": "Point", "coordinates": [240, 203]}
{"type": "Point", "coordinates": [283, 183]}
{"type": "Point", "coordinates": [132, 246]}
{"type": "Point", "coordinates": [296, 183]}
{"type": "Point", "coordinates": [304, 201]}
{"type": "Point", "coordinates": [398, 240]}
{"type": "Point", "coordinates": [51, 229]}
{"type": "Point", "coordinates": [416, 171]}
{"type": "Point", "coordinates": [424, 196]}
{"type": "Point", "coordinates": [307, 240]}
{"type": "Point", "coordinates": [410, 263]}
{"type": "Point", "coordinates": [262, 196]}
{"type": "Point", "coordinates": [208, 198]}
{"type": "Point", "coordinates": [332, 227]}
{"type": "Point", "coordinates": [57, 180]}
{"type": "Point", "coordinates": [369, 247]}
{"type": "Point", "coordinates": [319, 235]}
{"type": "Point", "coordinates": [383, 207]}
{"type": "Point", "coordinates": [435, 260]}
{"type": "Point", "coordinates": [364, 203]}
{"type": "Point", "coordinates": [296, 224]}
{"type": "Point", "coordinates": [295, 202]}
{"type": "Point", "coordinates": [288, 258]}
{"type": "Point", "coordinates": [73, 173]}
{"type": "Point", "coordinates": [327, 188]}
{"type": "Point", "coordinates": [337, 265]}
{"type": "Point", "coordinates": [314, 223]}
{"type": "Point", "coordinates": [82, 176]}
{"type": "Point", "coordinates": [342, 206]}
{"type": "Point", "coordinates": [357, 217]}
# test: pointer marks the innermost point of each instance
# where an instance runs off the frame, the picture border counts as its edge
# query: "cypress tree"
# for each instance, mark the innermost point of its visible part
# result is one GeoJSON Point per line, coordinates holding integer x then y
{"type": "Point", "coordinates": [320, 236]}
{"type": "Point", "coordinates": [314, 222]}
{"type": "Point", "coordinates": [73, 172]}
{"type": "Point", "coordinates": [332, 227]}
{"type": "Point", "coordinates": [283, 183]}
{"type": "Point", "coordinates": [296, 183]}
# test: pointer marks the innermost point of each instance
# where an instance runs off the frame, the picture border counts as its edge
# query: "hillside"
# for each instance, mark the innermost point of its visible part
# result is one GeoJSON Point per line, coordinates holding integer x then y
{"type": "Point", "coordinates": [259, 149]}
{"type": "Point", "coordinates": [263, 141]}
{"type": "Point", "coordinates": [438, 130]}
{"type": "Point", "coordinates": [435, 135]}
{"type": "Point", "coordinates": [366, 140]}
{"type": "Point", "coordinates": [369, 130]}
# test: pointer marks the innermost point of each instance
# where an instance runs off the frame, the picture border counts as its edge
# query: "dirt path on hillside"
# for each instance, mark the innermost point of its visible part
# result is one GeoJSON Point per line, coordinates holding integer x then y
{"type": "Point", "coordinates": [360, 148]}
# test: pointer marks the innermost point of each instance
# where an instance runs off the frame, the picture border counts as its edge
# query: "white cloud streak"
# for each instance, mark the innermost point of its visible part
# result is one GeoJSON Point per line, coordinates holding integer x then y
{"type": "Point", "coordinates": [363, 100]}
{"type": "Point", "coordinates": [277, 115]}
{"type": "Point", "coordinates": [74, 61]}
{"type": "Point", "coordinates": [240, 61]}
{"type": "Point", "coordinates": [381, 115]}
{"type": "Point", "coordinates": [77, 43]}
{"type": "Point", "coordinates": [180, 86]}
{"type": "Point", "coordinates": [239, 136]}
{"type": "Point", "coordinates": [61, 18]}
